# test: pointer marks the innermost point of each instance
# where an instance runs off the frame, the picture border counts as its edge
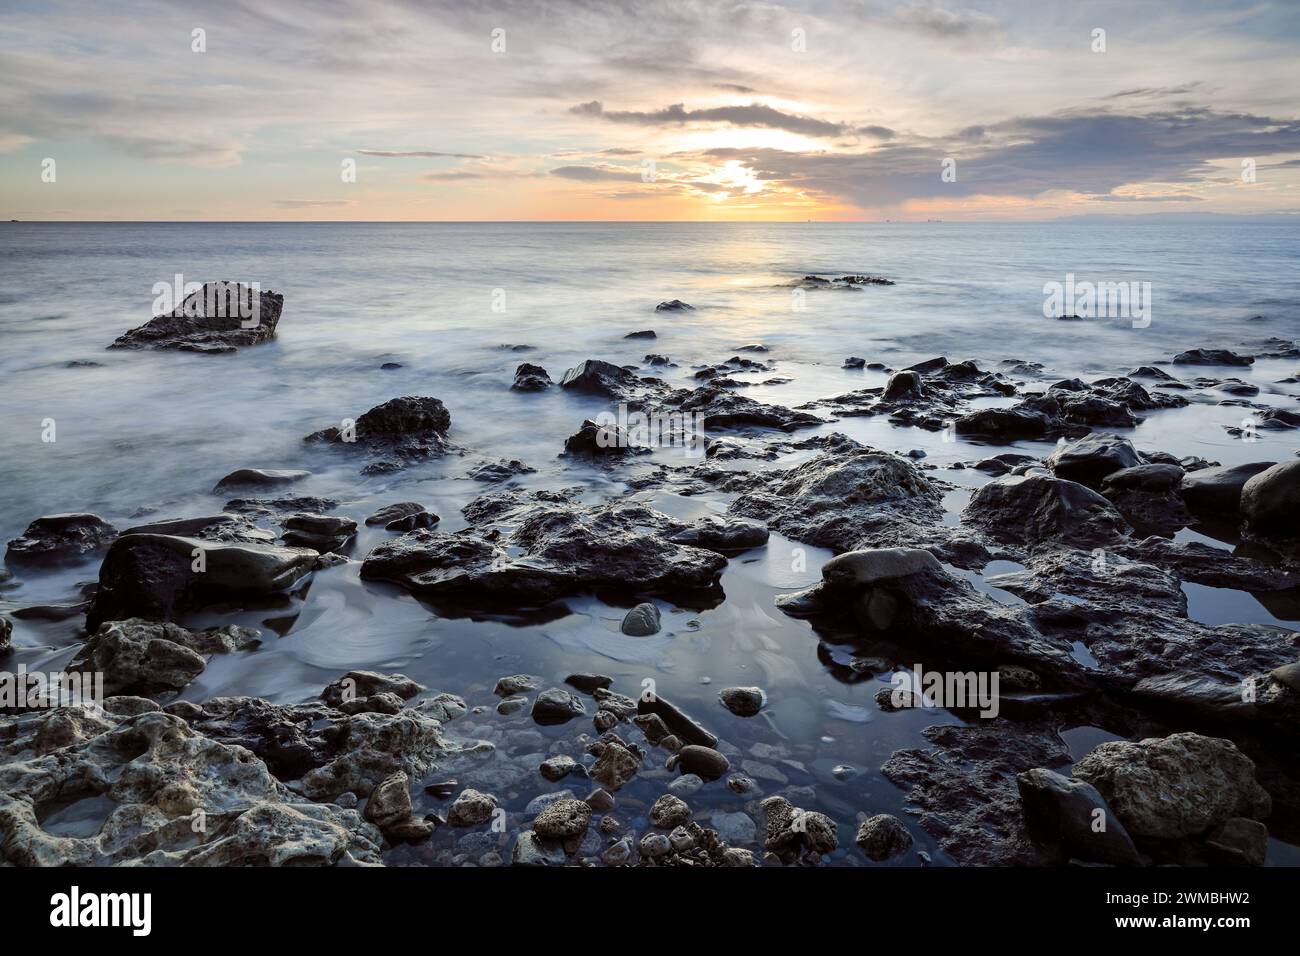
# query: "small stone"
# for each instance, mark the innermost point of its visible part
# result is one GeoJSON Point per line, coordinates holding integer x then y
{"type": "Point", "coordinates": [557, 768]}
{"type": "Point", "coordinates": [740, 784]}
{"type": "Point", "coordinates": [686, 784]}
{"type": "Point", "coordinates": [655, 845]}
{"type": "Point", "coordinates": [681, 839]}
{"type": "Point", "coordinates": [668, 812]}
{"type": "Point", "coordinates": [601, 800]}
{"type": "Point", "coordinates": [742, 701]}
{"type": "Point", "coordinates": [588, 683]}
{"type": "Point", "coordinates": [471, 808]}
{"type": "Point", "coordinates": [642, 621]}
{"type": "Point", "coordinates": [532, 850]}
{"type": "Point", "coordinates": [515, 684]}
{"type": "Point", "coordinates": [882, 836]}
{"type": "Point", "coordinates": [511, 705]}
{"type": "Point", "coordinates": [603, 721]}
{"type": "Point", "coordinates": [563, 820]}
{"type": "Point", "coordinates": [704, 762]}
{"type": "Point", "coordinates": [618, 854]}
{"type": "Point", "coordinates": [555, 706]}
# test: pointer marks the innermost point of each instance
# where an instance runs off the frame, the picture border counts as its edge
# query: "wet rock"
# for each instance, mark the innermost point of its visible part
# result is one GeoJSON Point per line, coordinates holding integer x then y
{"type": "Point", "coordinates": [715, 408]}
{"type": "Point", "coordinates": [399, 432]}
{"type": "Point", "coordinates": [156, 771]}
{"type": "Point", "coordinates": [563, 820]}
{"type": "Point", "coordinates": [685, 785]}
{"type": "Point", "coordinates": [532, 850]}
{"type": "Point", "coordinates": [604, 720]}
{"type": "Point", "coordinates": [594, 440]}
{"type": "Point", "coordinates": [154, 576]}
{"type": "Point", "coordinates": [389, 514]}
{"type": "Point", "coordinates": [705, 762]}
{"type": "Point", "coordinates": [643, 334]}
{"type": "Point", "coordinates": [903, 384]}
{"type": "Point", "coordinates": [674, 305]}
{"type": "Point", "coordinates": [1270, 419]}
{"type": "Point", "coordinates": [515, 684]}
{"type": "Point", "coordinates": [742, 701]}
{"type": "Point", "coordinates": [1176, 786]}
{"type": "Point", "coordinates": [1006, 424]}
{"type": "Point", "coordinates": [1270, 503]}
{"type": "Point", "coordinates": [616, 764]}
{"type": "Point", "coordinates": [142, 658]}
{"type": "Point", "coordinates": [61, 539]}
{"type": "Point", "coordinates": [1217, 491]}
{"type": "Point", "coordinates": [655, 846]}
{"type": "Point", "coordinates": [641, 621]}
{"type": "Point", "coordinates": [472, 808]}
{"type": "Point", "coordinates": [351, 692]}
{"type": "Point", "coordinates": [495, 472]}
{"type": "Point", "coordinates": [218, 317]}
{"type": "Point", "coordinates": [675, 719]}
{"type": "Point", "coordinates": [1240, 842]}
{"type": "Point", "coordinates": [1212, 357]}
{"type": "Point", "coordinates": [598, 378]}
{"type": "Point", "coordinates": [1002, 464]}
{"type": "Point", "coordinates": [390, 809]}
{"type": "Point", "coordinates": [721, 533]}
{"type": "Point", "coordinates": [668, 812]}
{"type": "Point", "coordinates": [618, 853]}
{"type": "Point", "coordinates": [1071, 814]}
{"type": "Point", "coordinates": [734, 827]}
{"type": "Point", "coordinates": [793, 832]}
{"type": "Point", "coordinates": [588, 683]}
{"type": "Point", "coordinates": [854, 361]}
{"type": "Point", "coordinates": [557, 768]}
{"type": "Point", "coordinates": [882, 836]}
{"type": "Point", "coordinates": [322, 533]}
{"type": "Point", "coordinates": [6, 632]}
{"type": "Point", "coordinates": [1147, 496]}
{"type": "Point", "coordinates": [556, 706]}
{"type": "Point", "coordinates": [619, 705]}
{"type": "Point", "coordinates": [259, 478]}
{"type": "Point", "coordinates": [600, 800]}
{"type": "Point", "coordinates": [541, 547]}
{"type": "Point", "coordinates": [368, 747]}
{"type": "Point", "coordinates": [1032, 509]}
{"type": "Point", "coordinates": [1089, 460]}
{"type": "Point", "coordinates": [511, 705]}
{"type": "Point", "coordinates": [531, 378]}
{"type": "Point", "coordinates": [964, 785]}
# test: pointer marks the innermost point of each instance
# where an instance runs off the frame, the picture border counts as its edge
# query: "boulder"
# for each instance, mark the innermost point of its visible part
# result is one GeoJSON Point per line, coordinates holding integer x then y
{"type": "Point", "coordinates": [216, 318]}
{"type": "Point", "coordinates": [1036, 509]}
{"type": "Point", "coordinates": [158, 576]}
{"type": "Point", "coordinates": [1071, 814]}
{"type": "Point", "coordinates": [259, 478]}
{"type": "Point", "coordinates": [1270, 502]}
{"type": "Point", "coordinates": [61, 539]}
{"type": "Point", "coordinates": [1217, 491]}
{"type": "Point", "coordinates": [531, 378]}
{"type": "Point", "coordinates": [1090, 459]}
{"type": "Point", "coordinates": [598, 378]}
{"type": "Point", "coordinates": [793, 832]}
{"type": "Point", "coordinates": [1177, 786]}
{"type": "Point", "coordinates": [1212, 357]}
{"type": "Point", "coordinates": [402, 430]}
{"type": "Point", "coordinates": [903, 384]}
{"type": "Point", "coordinates": [674, 305]}
{"type": "Point", "coordinates": [641, 621]}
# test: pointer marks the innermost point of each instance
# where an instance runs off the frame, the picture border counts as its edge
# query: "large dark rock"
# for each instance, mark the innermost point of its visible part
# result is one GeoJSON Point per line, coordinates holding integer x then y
{"type": "Point", "coordinates": [1034, 509]}
{"type": "Point", "coordinates": [61, 539]}
{"type": "Point", "coordinates": [1270, 503]}
{"type": "Point", "coordinates": [1212, 357]}
{"type": "Point", "coordinates": [598, 378]}
{"type": "Point", "coordinates": [716, 408]}
{"type": "Point", "coordinates": [1071, 814]}
{"type": "Point", "coordinates": [1217, 491]}
{"type": "Point", "coordinates": [535, 548]}
{"type": "Point", "coordinates": [220, 317]}
{"type": "Point", "coordinates": [1089, 460]}
{"type": "Point", "coordinates": [158, 576]}
{"type": "Point", "coordinates": [398, 432]}
{"type": "Point", "coordinates": [531, 378]}
{"type": "Point", "coordinates": [259, 478]}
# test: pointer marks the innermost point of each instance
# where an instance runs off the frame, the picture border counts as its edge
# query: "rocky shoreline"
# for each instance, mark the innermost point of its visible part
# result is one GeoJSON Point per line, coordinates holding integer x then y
{"type": "Point", "coordinates": [1100, 636]}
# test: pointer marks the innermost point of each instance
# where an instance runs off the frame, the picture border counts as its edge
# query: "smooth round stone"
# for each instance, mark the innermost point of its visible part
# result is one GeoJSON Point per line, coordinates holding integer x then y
{"type": "Point", "coordinates": [742, 701]}
{"type": "Point", "coordinates": [642, 621]}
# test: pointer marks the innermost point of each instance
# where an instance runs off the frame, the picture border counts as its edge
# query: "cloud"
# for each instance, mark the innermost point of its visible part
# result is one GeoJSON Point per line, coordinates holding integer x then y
{"type": "Point", "coordinates": [752, 115]}
{"type": "Point", "coordinates": [417, 153]}
{"type": "Point", "coordinates": [589, 174]}
{"type": "Point", "coordinates": [1156, 91]}
{"type": "Point", "coordinates": [928, 18]}
{"type": "Point", "coordinates": [310, 203]}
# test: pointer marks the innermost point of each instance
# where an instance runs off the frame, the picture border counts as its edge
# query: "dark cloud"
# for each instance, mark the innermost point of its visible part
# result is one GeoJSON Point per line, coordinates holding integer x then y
{"type": "Point", "coordinates": [1092, 153]}
{"type": "Point", "coordinates": [590, 174]}
{"type": "Point", "coordinates": [416, 153]}
{"type": "Point", "coordinates": [752, 115]}
{"type": "Point", "coordinates": [1155, 91]}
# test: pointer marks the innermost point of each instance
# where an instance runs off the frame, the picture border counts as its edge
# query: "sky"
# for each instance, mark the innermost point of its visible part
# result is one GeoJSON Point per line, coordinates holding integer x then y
{"type": "Point", "coordinates": [646, 110]}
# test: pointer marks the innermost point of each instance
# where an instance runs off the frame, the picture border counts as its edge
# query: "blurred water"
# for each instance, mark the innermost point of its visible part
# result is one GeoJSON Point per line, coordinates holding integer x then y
{"type": "Point", "coordinates": [152, 432]}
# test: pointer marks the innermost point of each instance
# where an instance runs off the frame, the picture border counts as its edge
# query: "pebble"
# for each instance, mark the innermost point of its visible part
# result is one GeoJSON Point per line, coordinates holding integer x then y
{"type": "Point", "coordinates": [742, 701]}
{"type": "Point", "coordinates": [642, 621]}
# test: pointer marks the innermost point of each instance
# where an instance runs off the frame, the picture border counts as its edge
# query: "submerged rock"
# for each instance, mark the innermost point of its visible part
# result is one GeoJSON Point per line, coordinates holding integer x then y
{"type": "Point", "coordinates": [61, 539]}
{"type": "Point", "coordinates": [1089, 460]}
{"type": "Point", "coordinates": [556, 706]}
{"type": "Point", "coordinates": [742, 701]}
{"type": "Point", "coordinates": [531, 378]}
{"type": "Point", "coordinates": [319, 532]}
{"type": "Point", "coordinates": [219, 317]}
{"type": "Point", "coordinates": [1176, 786]}
{"type": "Point", "coordinates": [259, 478]}
{"type": "Point", "coordinates": [793, 832]}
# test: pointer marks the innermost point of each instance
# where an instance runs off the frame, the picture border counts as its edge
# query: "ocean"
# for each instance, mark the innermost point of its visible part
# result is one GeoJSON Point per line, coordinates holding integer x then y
{"type": "Point", "coordinates": [144, 435]}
